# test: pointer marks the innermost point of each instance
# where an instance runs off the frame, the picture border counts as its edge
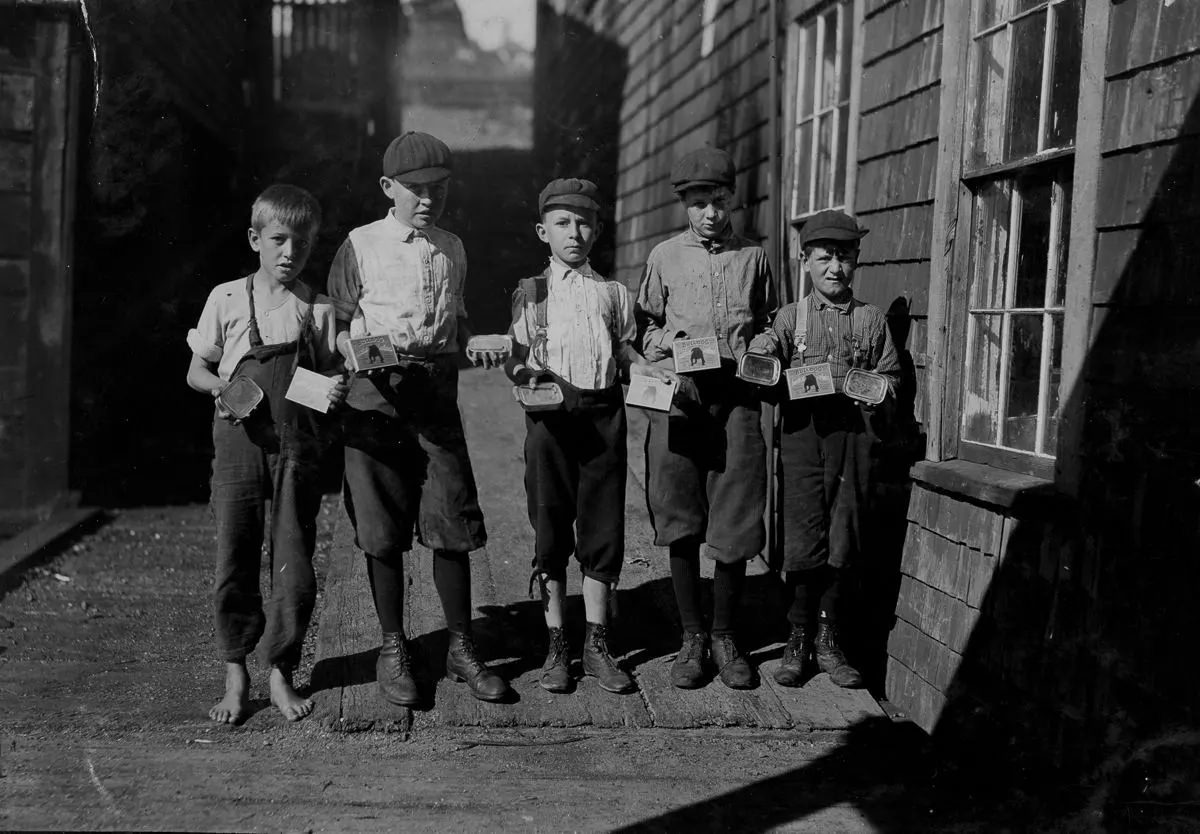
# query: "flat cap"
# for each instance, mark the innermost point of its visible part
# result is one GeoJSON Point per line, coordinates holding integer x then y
{"type": "Point", "coordinates": [703, 167]}
{"type": "Point", "coordinates": [572, 192]}
{"type": "Point", "coordinates": [416, 157]}
{"type": "Point", "coordinates": [830, 224]}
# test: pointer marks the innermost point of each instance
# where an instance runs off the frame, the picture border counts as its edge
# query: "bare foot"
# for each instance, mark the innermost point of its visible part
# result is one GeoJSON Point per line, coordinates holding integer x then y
{"type": "Point", "coordinates": [285, 698]}
{"type": "Point", "coordinates": [236, 704]}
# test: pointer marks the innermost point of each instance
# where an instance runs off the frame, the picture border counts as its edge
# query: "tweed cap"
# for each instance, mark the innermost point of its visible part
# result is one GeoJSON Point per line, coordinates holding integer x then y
{"type": "Point", "coordinates": [572, 192]}
{"type": "Point", "coordinates": [831, 224]}
{"type": "Point", "coordinates": [416, 157]}
{"type": "Point", "coordinates": [703, 167]}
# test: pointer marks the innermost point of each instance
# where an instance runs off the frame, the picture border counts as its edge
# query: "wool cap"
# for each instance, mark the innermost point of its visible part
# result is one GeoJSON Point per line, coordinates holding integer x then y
{"type": "Point", "coordinates": [703, 167]}
{"type": "Point", "coordinates": [830, 224]}
{"type": "Point", "coordinates": [416, 157]}
{"type": "Point", "coordinates": [572, 192]}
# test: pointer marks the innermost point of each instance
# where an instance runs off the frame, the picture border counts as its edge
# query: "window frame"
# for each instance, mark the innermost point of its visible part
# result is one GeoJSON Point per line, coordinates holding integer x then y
{"type": "Point", "coordinates": [800, 16]}
{"type": "Point", "coordinates": [951, 254]}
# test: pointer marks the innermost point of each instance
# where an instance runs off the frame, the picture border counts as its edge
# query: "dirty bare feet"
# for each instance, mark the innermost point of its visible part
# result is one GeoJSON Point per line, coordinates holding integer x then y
{"type": "Point", "coordinates": [236, 704]}
{"type": "Point", "coordinates": [285, 698]}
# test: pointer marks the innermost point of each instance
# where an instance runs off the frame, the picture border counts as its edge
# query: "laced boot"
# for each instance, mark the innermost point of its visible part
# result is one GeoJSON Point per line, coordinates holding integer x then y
{"type": "Point", "coordinates": [831, 659]}
{"type": "Point", "coordinates": [735, 671]}
{"type": "Point", "coordinates": [598, 663]}
{"type": "Point", "coordinates": [687, 672]}
{"type": "Point", "coordinates": [793, 668]}
{"type": "Point", "coordinates": [393, 671]}
{"type": "Point", "coordinates": [463, 664]}
{"type": "Point", "coordinates": [556, 674]}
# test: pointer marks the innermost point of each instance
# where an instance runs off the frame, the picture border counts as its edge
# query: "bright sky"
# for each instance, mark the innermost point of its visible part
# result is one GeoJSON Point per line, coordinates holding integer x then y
{"type": "Point", "coordinates": [486, 21]}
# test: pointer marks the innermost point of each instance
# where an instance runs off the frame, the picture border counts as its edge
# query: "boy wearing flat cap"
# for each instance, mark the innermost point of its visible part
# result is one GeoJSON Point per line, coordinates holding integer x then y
{"type": "Point", "coordinates": [706, 461]}
{"type": "Point", "coordinates": [574, 327]}
{"type": "Point", "coordinates": [406, 457]}
{"type": "Point", "coordinates": [826, 444]}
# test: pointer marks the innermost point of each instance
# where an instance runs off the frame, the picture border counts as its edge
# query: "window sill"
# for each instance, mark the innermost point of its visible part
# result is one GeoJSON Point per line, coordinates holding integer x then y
{"type": "Point", "coordinates": [1010, 491]}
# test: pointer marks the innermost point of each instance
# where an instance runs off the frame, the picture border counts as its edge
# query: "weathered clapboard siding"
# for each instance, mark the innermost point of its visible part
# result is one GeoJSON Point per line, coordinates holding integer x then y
{"type": "Point", "coordinates": [897, 161]}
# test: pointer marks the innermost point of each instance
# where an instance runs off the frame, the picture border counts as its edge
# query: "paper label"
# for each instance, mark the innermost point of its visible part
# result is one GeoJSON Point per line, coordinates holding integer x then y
{"type": "Point", "coordinates": [311, 389]}
{"type": "Point", "coordinates": [696, 354]}
{"type": "Point", "coordinates": [651, 393]}
{"type": "Point", "coordinates": [809, 381]}
{"type": "Point", "coordinates": [372, 353]}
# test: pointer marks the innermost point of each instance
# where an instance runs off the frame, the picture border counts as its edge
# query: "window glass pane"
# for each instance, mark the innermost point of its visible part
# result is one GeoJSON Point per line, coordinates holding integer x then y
{"type": "Point", "coordinates": [990, 230]}
{"type": "Point", "coordinates": [803, 164]}
{"type": "Point", "coordinates": [839, 175]}
{"type": "Point", "coordinates": [1053, 400]}
{"type": "Point", "coordinates": [1024, 377]}
{"type": "Point", "coordinates": [808, 65]}
{"type": "Point", "coordinates": [1025, 97]}
{"type": "Point", "coordinates": [1064, 242]}
{"type": "Point", "coordinates": [847, 50]}
{"type": "Point", "coordinates": [988, 81]}
{"type": "Point", "coordinates": [1064, 89]}
{"type": "Point", "coordinates": [1033, 246]}
{"type": "Point", "coordinates": [981, 403]}
{"type": "Point", "coordinates": [992, 12]}
{"type": "Point", "coordinates": [823, 173]}
{"type": "Point", "coordinates": [829, 74]}
{"type": "Point", "coordinates": [1026, 5]}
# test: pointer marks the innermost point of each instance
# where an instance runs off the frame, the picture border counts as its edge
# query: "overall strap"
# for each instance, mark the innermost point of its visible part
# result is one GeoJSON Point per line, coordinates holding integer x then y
{"type": "Point", "coordinates": [255, 337]}
{"type": "Point", "coordinates": [800, 334]}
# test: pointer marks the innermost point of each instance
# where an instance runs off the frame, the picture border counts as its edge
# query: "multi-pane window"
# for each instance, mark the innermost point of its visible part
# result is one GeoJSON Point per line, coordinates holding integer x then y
{"type": "Point", "coordinates": [821, 109]}
{"type": "Point", "coordinates": [1023, 89]}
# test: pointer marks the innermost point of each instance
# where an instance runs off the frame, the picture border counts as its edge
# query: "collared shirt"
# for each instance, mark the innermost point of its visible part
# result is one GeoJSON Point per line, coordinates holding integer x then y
{"type": "Point", "coordinates": [853, 334]}
{"type": "Point", "coordinates": [222, 335]}
{"type": "Point", "coordinates": [587, 317]}
{"type": "Point", "coordinates": [702, 287]}
{"type": "Point", "coordinates": [391, 279]}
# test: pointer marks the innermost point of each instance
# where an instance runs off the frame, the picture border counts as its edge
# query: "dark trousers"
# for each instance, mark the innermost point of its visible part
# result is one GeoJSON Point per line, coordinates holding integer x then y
{"type": "Point", "coordinates": [826, 452]}
{"type": "Point", "coordinates": [407, 464]}
{"type": "Point", "coordinates": [706, 471]}
{"type": "Point", "coordinates": [244, 478]}
{"type": "Point", "coordinates": [575, 461]}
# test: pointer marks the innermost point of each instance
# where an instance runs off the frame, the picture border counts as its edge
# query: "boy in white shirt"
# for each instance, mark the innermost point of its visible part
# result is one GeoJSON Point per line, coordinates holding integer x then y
{"type": "Point", "coordinates": [574, 327]}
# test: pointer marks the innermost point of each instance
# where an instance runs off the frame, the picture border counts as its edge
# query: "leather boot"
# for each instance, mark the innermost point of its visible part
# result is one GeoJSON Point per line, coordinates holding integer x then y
{"type": "Point", "coordinates": [598, 663]}
{"type": "Point", "coordinates": [556, 674]}
{"type": "Point", "coordinates": [463, 664]}
{"type": "Point", "coordinates": [393, 671]}
{"type": "Point", "coordinates": [831, 659]}
{"type": "Point", "coordinates": [793, 668]}
{"type": "Point", "coordinates": [735, 671]}
{"type": "Point", "coordinates": [687, 672]}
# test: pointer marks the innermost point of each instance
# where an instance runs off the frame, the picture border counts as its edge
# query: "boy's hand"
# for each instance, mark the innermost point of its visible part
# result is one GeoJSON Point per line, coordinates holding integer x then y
{"type": "Point", "coordinates": [655, 372]}
{"type": "Point", "coordinates": [222, 412]}
{"type": "Point", "coordinates": [488, 358]}
{"type": "Point", "coordinates": [337, 394]}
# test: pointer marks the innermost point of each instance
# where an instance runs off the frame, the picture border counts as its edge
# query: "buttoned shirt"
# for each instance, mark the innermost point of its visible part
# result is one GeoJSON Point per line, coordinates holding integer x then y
{"type": "Point", "coordinates": [701, 287]}
{"type": "Point", "coordinates": [389, 279]}
{"type": "Point", "coordinates": [222, 335]}
{"type": "Point", "coordinates": [852, 334]}
{"type": "Point", "coordinates": [587, 317]}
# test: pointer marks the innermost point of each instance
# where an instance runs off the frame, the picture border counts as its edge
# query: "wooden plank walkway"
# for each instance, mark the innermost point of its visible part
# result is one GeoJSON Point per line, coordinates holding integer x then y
{"type": "Point", "coordinates": [509, 629]}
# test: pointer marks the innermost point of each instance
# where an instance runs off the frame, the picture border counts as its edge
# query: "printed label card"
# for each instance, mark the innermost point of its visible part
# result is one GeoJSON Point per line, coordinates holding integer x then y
{"type": "Point", "coordinates": [372, 353]}
{"type": "Point", "coordinates": [809, 381]}
{"type": "Point", "coordinates": [696, 354]}
{"type": "Point", "coordinates": [651, 393]}
{"type": "Point", "coordinates": [311, 389]}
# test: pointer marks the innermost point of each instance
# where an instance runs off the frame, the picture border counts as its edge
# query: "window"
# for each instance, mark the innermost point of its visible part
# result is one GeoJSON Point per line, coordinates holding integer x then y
{"type": "Point", "coordinates": [819, 152]}
{"type": "Point", "coordinates": [1019, 138]}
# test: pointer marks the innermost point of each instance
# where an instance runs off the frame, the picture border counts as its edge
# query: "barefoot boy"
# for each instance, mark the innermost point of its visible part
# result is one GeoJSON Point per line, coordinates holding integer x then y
{"type": "Point", "coordinates": [263, 327]}
{"type": "Point", "coordinates": [706, 462]}
{"type": "Point", "coordinates": [406, 457]}
{"type": "Point", "coordinates": [825, 444]}
{"type": "Point", "coordinates": [572, 326]}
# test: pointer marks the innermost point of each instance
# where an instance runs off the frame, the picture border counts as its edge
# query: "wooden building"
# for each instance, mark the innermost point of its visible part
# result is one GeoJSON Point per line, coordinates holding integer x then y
{"type": "Point", "coordinates": [1028, 170]}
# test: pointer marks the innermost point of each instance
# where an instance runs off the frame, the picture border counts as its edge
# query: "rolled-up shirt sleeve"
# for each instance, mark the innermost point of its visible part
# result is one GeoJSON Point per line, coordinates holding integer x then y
{"type": "Point", "coordinates": [207, 338]}
{"type": "Point", "coordinates": [626, 329]}
{"type": "Point", "coordinates": [345, 282]}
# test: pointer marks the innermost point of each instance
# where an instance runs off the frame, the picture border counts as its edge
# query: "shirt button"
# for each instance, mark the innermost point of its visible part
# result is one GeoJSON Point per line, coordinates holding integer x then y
{"type": "Point", "coordinates": [831, 357]}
